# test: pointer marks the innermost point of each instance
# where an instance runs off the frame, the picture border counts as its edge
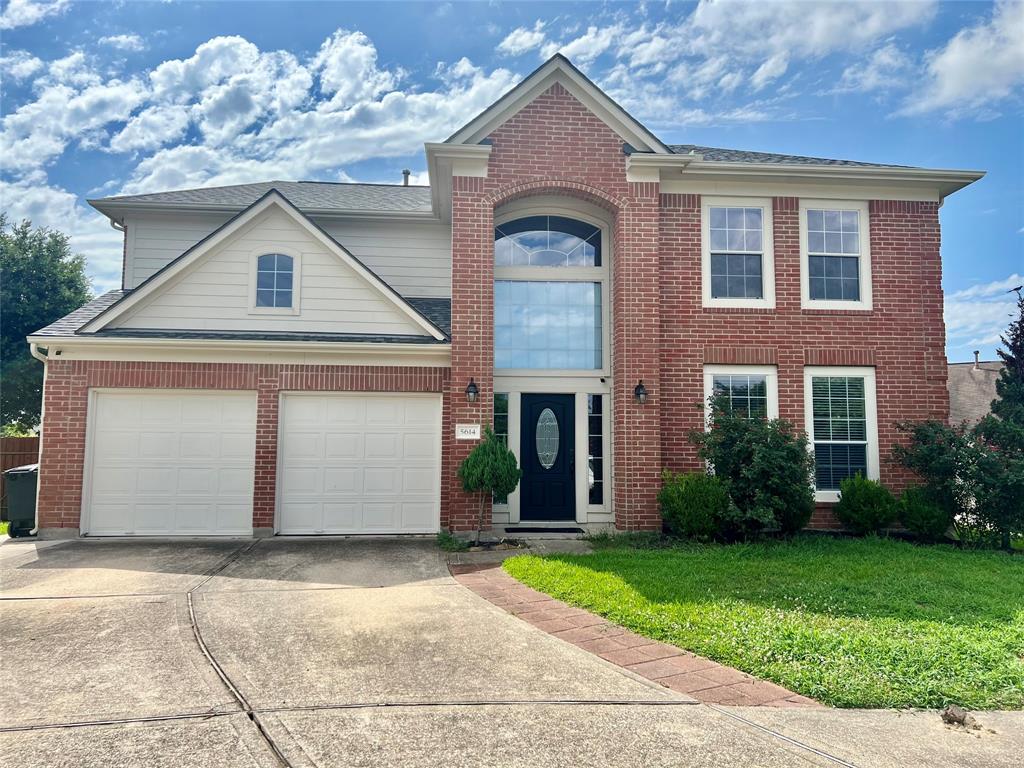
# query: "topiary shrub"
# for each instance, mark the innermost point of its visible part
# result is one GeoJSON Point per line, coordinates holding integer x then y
{"type": "Point", "coordinates": [490, 470]}
{"type": "Point", "coordinates": [922, 516]}
{"type": "Point", "coordinates": [692, 504]}
{"type": "Point", "coordinates": [865, 506]}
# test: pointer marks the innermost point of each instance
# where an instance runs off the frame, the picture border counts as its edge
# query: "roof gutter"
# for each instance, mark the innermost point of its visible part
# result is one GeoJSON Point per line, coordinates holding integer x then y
{"type": "Point", "coordinates": [113, 209]}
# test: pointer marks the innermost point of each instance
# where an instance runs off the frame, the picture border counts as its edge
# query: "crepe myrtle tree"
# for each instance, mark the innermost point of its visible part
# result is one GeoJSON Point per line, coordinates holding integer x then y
{"type": "Point", "coordinates": [490, 470]}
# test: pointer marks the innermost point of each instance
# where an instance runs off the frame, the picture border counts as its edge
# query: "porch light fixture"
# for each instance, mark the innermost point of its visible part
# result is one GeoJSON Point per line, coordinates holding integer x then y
{"type": "Point", "coordinates": [472, 391]}
{"type": "Point", "coordinates": [640, 392]}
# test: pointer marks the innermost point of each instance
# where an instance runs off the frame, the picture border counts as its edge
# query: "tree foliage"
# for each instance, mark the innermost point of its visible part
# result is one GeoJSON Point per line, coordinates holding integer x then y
{"type": "Point", "coordinates": [40, 282]}
{"type": "Point", "coordinates": [766, 467]}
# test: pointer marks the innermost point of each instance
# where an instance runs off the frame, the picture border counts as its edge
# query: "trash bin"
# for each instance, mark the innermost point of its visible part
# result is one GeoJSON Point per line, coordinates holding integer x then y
{"type": "Point", "coordinates": [20, 484]}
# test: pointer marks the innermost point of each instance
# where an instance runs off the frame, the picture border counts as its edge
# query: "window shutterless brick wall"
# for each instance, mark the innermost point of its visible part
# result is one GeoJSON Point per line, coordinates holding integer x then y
{"type": "Point", "coordinates": [68, 383]}
{"type": "Point", "coordinates": [903, 336]}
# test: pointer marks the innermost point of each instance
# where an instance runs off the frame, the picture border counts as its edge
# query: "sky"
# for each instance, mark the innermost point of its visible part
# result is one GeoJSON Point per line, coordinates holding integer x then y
{"type": "Point", "coordinates": [102, 98]}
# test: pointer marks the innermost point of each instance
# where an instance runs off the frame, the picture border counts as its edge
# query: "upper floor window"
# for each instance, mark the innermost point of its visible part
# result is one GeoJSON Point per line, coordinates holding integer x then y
{"type": "Point", "coordinates": [547, 241]}
{"type": "Point", "coordinates": [275, 274]}
{"type": "Point", "coordinates": [738, 262]}
{"type": "Point", "coordinates": [835, 263]}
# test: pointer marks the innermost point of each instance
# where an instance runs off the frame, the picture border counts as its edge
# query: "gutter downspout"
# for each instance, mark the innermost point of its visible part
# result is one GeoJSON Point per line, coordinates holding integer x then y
{"type": "Point", "coordinates": [33, 349]}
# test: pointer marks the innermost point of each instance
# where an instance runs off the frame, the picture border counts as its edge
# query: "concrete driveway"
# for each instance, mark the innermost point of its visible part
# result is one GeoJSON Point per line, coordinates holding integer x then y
{"type": "Point", "coordinates": [335, 652]}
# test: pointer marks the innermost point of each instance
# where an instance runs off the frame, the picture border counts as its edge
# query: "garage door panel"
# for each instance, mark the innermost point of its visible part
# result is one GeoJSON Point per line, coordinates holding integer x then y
{"type": "Point", "coordinates": [303, 445]}
{"type": "Point", "coordinates": [374, 464]}
{"type": "Point", "coordinates": [343, 445]}
{"type": "Point", "coordinates": [171, 463]}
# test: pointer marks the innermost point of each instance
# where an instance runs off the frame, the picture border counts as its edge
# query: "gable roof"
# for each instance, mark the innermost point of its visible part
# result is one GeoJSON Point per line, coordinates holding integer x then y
{"type": "Point", "coordinates": [722, 155]}
{"type": "Point", "coordinates": [558, 69]}
{"type": "Point", "coordinates": [310, 197]}
{"type": "Point", "coordinates": [272, 198]}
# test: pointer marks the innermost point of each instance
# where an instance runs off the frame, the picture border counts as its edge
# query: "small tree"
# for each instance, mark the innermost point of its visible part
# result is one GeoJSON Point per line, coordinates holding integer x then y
{"type": "Point", "coordinates": [1001, 480]}
{"type": "Point", "coordinates": [490, 470]}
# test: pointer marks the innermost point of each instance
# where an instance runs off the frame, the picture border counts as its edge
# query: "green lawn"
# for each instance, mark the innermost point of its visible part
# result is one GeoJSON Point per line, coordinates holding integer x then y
{"type": "Point", "coordinates": [852, 623]}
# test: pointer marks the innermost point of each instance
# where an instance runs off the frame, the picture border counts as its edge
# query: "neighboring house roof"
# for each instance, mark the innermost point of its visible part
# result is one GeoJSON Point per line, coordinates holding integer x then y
{"type": "Point", "coordinates": [971, 390]}
{"type": "Point", "coordinates": [438, 311]}
{"type": "Point", "coordinates": [305, 195]}
{"type": "Point", "coordinates": [721, 155]}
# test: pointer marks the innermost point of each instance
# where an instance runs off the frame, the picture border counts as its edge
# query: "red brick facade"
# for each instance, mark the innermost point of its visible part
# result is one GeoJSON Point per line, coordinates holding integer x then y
{"type": "Point", "coordinates": [660, 332]}
{"type": "Point", "coordinates": [68, 383]}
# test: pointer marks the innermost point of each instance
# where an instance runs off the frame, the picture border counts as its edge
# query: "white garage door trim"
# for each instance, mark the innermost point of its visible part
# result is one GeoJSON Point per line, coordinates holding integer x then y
{"type": "Point", "coordinates": [232, 513]}
{"type": "Point", "coordinates": [402, 512]}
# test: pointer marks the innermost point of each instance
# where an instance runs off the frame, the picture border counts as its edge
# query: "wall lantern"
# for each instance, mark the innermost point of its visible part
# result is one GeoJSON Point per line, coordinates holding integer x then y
{"type": "Point", "coordinates": [640, 392]}
{"type": "Point", "coordinates": [472, 391]}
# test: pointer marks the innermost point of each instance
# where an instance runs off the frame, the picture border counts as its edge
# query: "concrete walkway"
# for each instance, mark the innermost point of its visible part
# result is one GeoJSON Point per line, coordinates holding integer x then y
{"type": "Point", "coordinates": [332, 652]}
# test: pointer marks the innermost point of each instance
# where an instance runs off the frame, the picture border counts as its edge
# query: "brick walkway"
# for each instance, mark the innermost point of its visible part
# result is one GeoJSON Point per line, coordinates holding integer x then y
{"type": "Point", "coordinates": [667, 665]}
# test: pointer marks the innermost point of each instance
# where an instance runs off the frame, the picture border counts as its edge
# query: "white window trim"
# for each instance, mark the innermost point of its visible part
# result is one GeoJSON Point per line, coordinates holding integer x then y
{"type": "Point", "coordinates": [864, 262]}
{"type": "Point", "coordinates": [254, 256]}
{"type": "Point", "coordinates": [870, 412]}
{"type": "Point", "coordinates": [767, 301]}
{"type": "Point", "coordinates": [770, 372]}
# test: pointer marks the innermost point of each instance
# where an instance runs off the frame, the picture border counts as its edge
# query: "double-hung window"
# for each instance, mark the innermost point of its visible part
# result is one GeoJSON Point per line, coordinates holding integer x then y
{"type": "Point", "coordinates": [738, 264]}
{"type": "Point", "coordinates": [751, 391]}
{"type": "Point", "coordinates": [835, 258]}
{"type": "Point", "coordinates": [842, 425]}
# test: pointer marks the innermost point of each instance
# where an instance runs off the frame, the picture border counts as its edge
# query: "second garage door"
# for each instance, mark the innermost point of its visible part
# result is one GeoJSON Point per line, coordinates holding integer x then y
{"type": "Point", "coordinates": [359, 463]}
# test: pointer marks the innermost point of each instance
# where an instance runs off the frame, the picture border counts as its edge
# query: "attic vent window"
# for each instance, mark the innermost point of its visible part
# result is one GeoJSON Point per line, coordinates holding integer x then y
{"type": "Point", "coordinates": [274, 280]}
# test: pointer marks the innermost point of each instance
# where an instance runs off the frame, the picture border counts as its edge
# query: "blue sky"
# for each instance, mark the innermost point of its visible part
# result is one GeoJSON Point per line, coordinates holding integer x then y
{"type": "Point", "coordinates": [102, 98]}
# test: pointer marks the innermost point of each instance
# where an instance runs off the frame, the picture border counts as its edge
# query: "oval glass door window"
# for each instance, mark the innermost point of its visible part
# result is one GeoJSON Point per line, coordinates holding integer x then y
{"type": "Point", "coordinates": [547, 438]}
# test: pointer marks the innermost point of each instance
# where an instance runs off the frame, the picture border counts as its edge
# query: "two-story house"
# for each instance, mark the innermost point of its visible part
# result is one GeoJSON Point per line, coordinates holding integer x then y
{"type": "Point", "coordinates": [317, 358]}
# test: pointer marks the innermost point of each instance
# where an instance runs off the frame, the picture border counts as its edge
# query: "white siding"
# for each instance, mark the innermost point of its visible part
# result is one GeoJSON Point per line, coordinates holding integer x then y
{"type": "Point", "coordinates": [214, 294]}
{"type": "Point", "coordinates": [413, 257]}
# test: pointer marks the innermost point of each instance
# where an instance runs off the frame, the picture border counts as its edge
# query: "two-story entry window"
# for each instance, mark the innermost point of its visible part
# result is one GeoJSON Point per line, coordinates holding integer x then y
{"type": "Point", "coordinates": [548, 295]}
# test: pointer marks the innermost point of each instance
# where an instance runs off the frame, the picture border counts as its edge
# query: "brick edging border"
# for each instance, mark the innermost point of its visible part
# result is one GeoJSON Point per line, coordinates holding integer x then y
{"type": "Point", "coordinates": [707, 681]}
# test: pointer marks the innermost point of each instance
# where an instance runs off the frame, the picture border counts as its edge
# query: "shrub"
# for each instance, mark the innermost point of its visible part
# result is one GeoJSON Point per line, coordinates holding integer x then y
{"type": "Point", "coordinates": [865, 506]}
{"type": "Point", "coordinates": [489, 470]}
{"type": "Point", "coordinates": [922, 516]}
{"type": "Point", "coordinates": [767, 470]}
{"type": "Point", "coordinates": [692, 505]}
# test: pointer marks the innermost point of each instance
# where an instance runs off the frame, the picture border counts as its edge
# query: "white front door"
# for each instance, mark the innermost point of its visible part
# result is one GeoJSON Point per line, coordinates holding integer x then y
{"type": "Point", "coordinates": [359, 463]}
{"type": "Point", "coordinates": [170, 463]}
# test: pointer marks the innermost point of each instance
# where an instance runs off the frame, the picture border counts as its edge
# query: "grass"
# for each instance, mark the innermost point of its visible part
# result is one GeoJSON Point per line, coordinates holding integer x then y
{"type": "Point", "coordinates": [3, 528]}
{"type": "Point", "coordinates": [450, 543]}
{"type": "Point", "coordinates": [850, 622]}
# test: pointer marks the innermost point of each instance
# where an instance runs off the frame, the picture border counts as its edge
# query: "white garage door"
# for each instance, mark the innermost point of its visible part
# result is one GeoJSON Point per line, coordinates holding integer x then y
{"type": "Point", "coordinates": [359, 463]}
{"type": "Point", "coordinates": [170, 463]}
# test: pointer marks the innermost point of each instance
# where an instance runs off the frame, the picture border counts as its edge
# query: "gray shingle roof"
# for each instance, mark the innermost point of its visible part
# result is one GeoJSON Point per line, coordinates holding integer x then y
{"type": "Point", "coordinates": [305, 195]}
{"type": "Point", "coordinates": [437, 311]}
{"type": "Point", "coordinates": [719, 155]}
{"type": "Point", "coordinates": [68, 324]}
{"type": "Point", "coordinates": [971, 390]}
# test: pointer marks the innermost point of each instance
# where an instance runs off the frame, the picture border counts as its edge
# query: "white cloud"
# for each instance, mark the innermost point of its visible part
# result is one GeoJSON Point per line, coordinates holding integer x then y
{"type": "Point", "coordinates": [522, 39]}
{"type": "Point", "coordinates": [347, 66]}
{"type": "Point", "coordinates": [888, 67]}
{"type": "Point", "coordinates": [151, 128]}
{"type": "Point", "coordinates": [772, 69]}
{"type": "Point", "coordinates": [587, 47]}
{"type": "Point", "coordinates": [977, 316]}
{"type": "Point", "coordinates": [979, 67]}
{"type": "Point", "coordinates": [25, 13]}
{"type": "Point", "coordinates": [124, 42]}
{"type": "Point", "coordinates": [18, 65]}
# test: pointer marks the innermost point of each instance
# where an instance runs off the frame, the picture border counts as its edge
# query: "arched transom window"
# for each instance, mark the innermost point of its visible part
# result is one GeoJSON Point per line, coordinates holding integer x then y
{"type": "Point", "coordinates": [547, 241]}
{"type": "Point", "coordinates": [549, 311]}
{"type": "Point", "coordinates": [275, 273]}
